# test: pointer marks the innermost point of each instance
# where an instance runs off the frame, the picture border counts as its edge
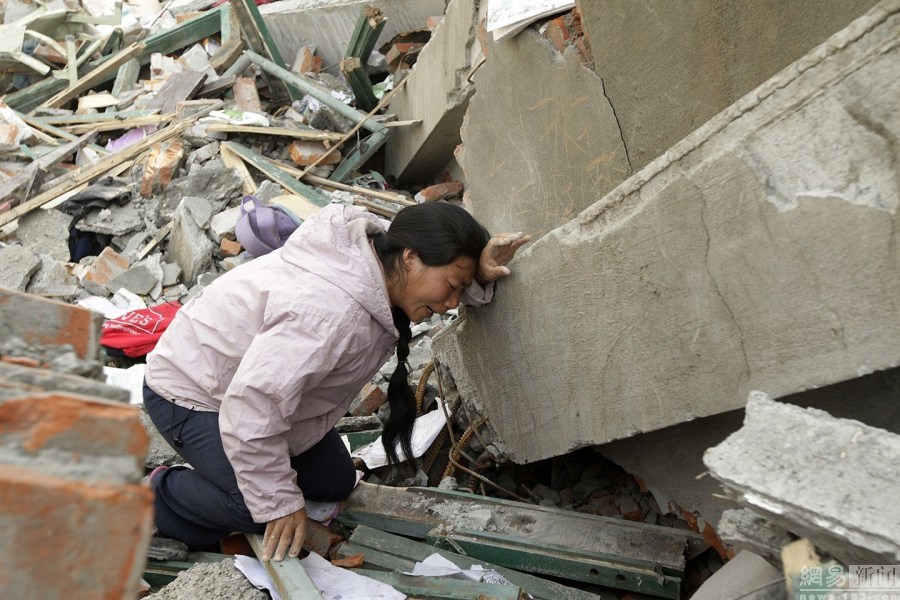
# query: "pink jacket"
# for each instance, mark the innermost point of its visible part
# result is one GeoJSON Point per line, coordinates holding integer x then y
{"type": "Point", "coordinates": [280, 346]}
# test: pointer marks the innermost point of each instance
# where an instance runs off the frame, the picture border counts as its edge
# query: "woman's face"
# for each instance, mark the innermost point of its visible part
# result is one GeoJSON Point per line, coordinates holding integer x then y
{"type": "Point", "coordinates": [423, 291]}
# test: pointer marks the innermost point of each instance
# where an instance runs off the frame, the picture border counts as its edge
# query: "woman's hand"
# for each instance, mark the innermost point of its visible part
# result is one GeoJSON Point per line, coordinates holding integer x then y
{"type": "Point", "coordinates": [283, 533]}
{"type": "Point", "coordinates": [499, 251]}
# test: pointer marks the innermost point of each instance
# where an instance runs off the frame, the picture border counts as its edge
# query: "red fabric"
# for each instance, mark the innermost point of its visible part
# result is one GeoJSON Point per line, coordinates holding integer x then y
{"type": "Point", "coordinates": [135, 333]}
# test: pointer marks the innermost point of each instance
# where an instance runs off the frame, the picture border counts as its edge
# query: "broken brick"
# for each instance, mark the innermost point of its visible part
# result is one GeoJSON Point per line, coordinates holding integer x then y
{"type": "Point", "coordinates": [440, 191]}
{"type": "Point", "coordinates": [162, 163]}
{"type": "Point", "coordinates": [307, 153]}
{"type": "Point", "coordinates": [307, 61]}
{"type": "Point", "coordinates": [402, 54]}
{"type": "Point", "coordinates": [629, 509]}
{"type": "Point", "coordinates": [557, 33]}
{"type": "Point", "coordinates": [106, 267]}
{"type": "Point", "coordinates": [246, 96]}
{"type": "Point", "coordinates": [369, 399]}
{"type": "Point", "coordinates": [229, 247]}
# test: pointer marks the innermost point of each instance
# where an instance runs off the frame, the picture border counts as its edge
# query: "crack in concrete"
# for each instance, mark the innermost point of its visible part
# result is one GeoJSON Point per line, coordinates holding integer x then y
{"type": "Point", "coordinates": [746, 374]}
{"type": "Point", "coordinates": [618, 125]}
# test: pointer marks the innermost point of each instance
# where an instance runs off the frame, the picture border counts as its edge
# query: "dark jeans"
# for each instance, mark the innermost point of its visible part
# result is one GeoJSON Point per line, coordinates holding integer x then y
{"type": "Point", "coordinates": [200, 506]}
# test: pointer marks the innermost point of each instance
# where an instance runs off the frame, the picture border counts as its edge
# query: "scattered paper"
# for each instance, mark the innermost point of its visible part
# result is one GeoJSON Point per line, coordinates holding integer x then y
{"type": "Point", "coordinates": [438, 566]}
{"type": "Point", "coordinates": [508, 17]}
{"type": "Point", "coordinates": [123, 301]}
{"type": "Point", "coordinates": [335, 583]}
{"type": "Point", "coordinates": [131, 379]}
{"type": "Point", "coordinates": [425, 431]}
{"type": "Point", "coordinates": [255, 574]}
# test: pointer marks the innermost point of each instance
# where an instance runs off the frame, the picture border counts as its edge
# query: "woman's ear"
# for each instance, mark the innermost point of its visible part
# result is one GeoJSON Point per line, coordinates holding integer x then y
{"type": "Point", "coordinates": [409, 258]}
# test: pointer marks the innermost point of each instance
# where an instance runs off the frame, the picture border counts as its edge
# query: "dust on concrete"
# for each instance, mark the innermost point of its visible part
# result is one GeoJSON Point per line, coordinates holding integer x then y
{"type": "Point", "coordinates": [210, 581]}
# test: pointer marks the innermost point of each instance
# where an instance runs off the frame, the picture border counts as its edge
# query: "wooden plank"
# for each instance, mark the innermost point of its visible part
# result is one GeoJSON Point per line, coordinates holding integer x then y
{"type": "Point", "coordinates": [66, 120]}
{"type": "Point", "coordinates": [177, 88]}
{"type": "Point", "coordinates": [88, 173]}
{"type": "Point", "coordinates": [355, 74]}
{"type": "Point", "coordinates": [364, 150]}
{"type": "Point", "coordinates": [561, 562]}
{"type": "Point", "coordinates": [115, 124]}
{"type": "Point", "coordinates": [216, 87]}
{"type": "Point", "coordinates": [126, 78]}
{"type": "Point", "coordinates": [226, 54]}
{"type": "Point", "coordinates": [265, 167]}
{"type": "Point", "coordinates": [260, 41]}
{"type": "Point", "coordinates": [443, 587]}
{"type": "Point", "coordinates": [394, 552]}
{"type": "Point", "coordinates": [300, 134]}
{"type": "Point", "coordinates": [233, 161]}
{"type": "Point", "coordinates": [368, 27]}
{"type": "Point", "coordinates": [160, 236]}
{"type": "Point", "coordinates": [288, 576]}
{"type": "Point", "coordinates": [29, 175]}
{"type": "Point", "coordinates": [95, 77]}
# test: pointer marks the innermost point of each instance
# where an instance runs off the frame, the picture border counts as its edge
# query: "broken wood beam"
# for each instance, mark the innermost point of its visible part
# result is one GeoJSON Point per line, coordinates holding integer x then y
{"type": "Point", "coordinates": [34, 171]}
{"type": "Point", "coordinates": [260, 41]}
{"type": "Point", "coordinates": [126, 77]}
{"type": "Point", "coordinates": [364, 150]}
{"type": "Point", "coordinates": [233, 161]}
{"type": "Point", "coordinates": [90, 172]}
{"type": "Point", "coordinates": [353, 71]}
{"type": "Point", "coordinates": [368, 27]}
{"type": "Point", "coordinates": [41, 124]}
{"type": "Point", "coordinates": [264, 166]}
{"type": "Point", "coordinates": [300, 134]}
{"type": "Point", "coordinates": [288, 576]}
{"type": "Point", "coordinates": [184, 34]}
{"type": "Point", "coordinates": [396, 553]}
{"type": "Point", "coordinates": [96, 76]}
{"type": "Point", "coordinates": [321, 94]}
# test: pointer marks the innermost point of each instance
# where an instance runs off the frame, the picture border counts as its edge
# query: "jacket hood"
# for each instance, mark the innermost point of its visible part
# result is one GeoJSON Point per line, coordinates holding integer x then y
{"type": "Point", "coordinates": [334, 244]}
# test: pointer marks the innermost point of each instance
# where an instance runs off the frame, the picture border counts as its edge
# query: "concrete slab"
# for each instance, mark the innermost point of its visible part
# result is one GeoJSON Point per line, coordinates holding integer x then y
{"type": "Point", "coordinates": [46, 232]}
{"type": "Point", "coordinates": [52, 280]}
{"type": "Point", "coordinates": [438, 93]}
{"type": "Point", "coordinates": [746, 577]}
{"type": "Point", "coordinates": [189, 247]}
{"type": "Point", "coordinates": [668, 72]}
{"type": "Point", "coordinates": [17, 265]}
{"type": "Point", "coordinates": [669, 461]}
{"type": "Point", "coordinates": [540, 141]}
{"type": "Point", "coordinates": [758, 252]}
{"type": "Point", "coordinates": [328, 24]}
{"type": "Point", "coordinates": [823, 478]}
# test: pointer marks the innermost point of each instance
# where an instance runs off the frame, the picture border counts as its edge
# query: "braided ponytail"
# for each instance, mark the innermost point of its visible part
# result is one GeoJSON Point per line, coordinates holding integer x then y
{"type": "Point", "coordinates": [439, 233]}
{"type": "Point", "coordinates": [400, 397]}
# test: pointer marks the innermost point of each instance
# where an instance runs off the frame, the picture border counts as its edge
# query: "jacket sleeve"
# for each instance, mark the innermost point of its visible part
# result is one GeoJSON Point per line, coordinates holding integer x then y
{"type": "Point", "coordinates": [476, 295]}
{"type": "Point", "coordinates": [290, 354]}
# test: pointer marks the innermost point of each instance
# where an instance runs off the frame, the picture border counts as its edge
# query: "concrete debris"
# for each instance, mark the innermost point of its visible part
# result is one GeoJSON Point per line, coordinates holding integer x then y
{"type": "Point", "coordinates": [210, 580]}
{"type": "Point", "coordinates": [802, 469]}
{"type": "Point", "coordinates": [124, 160]}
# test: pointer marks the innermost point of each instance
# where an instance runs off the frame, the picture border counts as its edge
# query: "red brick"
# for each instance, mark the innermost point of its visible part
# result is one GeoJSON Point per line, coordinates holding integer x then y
{"type": "Point", "coordinates": [161, 166]}
{"type": "Point", "coordinates": [42, 322]}
{"type": "Point", "coordinates": [630, 509]}
{"type": "Point", "coordinates": [306, 153]}
{"type": "Point", "coordinates": [245, 95]}
{"type": "Point", "coordinates": [307, 61]}
{"type": "Point", "coordinates": [440, 191]}
{"type": "Point", "coordinates": [229, 247]}
{"type": "Point", "coordinates": [106, 267]}
{"type": "Point", "coordinates": [72, 423]}
{"type": "Point", "coordinates": [71, 539]}
{"type": "Point", "coordinates": [402, 54]}
{"type": "Point", "coordinates": [558, 34]}
{"type": "Point", "coordinates": [369, 399]}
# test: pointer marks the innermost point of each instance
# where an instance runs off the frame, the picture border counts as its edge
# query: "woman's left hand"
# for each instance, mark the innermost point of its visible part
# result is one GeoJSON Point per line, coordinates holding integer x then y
{"type": "Point", "coordinates": [496, 255]}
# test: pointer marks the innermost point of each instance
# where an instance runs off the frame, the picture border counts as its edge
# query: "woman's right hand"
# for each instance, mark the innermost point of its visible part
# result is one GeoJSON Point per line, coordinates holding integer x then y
{"type": "Point", "coordinates": [283, 533]}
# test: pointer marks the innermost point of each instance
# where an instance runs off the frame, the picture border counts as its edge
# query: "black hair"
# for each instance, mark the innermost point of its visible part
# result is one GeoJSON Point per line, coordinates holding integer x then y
{"type": "Point", "coordinates": [439, 233]}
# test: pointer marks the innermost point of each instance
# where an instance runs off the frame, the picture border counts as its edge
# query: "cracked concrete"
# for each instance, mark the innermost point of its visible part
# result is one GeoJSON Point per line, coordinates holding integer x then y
{"type": "Point", "coordinates": [698, 288]}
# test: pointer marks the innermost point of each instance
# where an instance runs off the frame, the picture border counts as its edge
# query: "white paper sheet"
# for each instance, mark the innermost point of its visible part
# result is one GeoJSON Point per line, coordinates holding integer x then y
{"type": "Point", "coordinates": [131, 379]}
{"type": "Point", "coordinates": [438, 566]}
{"type": "Point", "coordinates": [508, 17]}
{"type": "Point", "coordinates": [425, 431]}
{"type": "Point", "coordinates": [255, 574]}
{"type": "Point", "coordinates": [336, 583]}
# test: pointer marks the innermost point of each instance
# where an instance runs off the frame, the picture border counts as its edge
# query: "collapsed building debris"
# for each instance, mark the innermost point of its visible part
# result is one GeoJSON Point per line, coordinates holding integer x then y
{"type": "Point", "coordinates": [123, 173]}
